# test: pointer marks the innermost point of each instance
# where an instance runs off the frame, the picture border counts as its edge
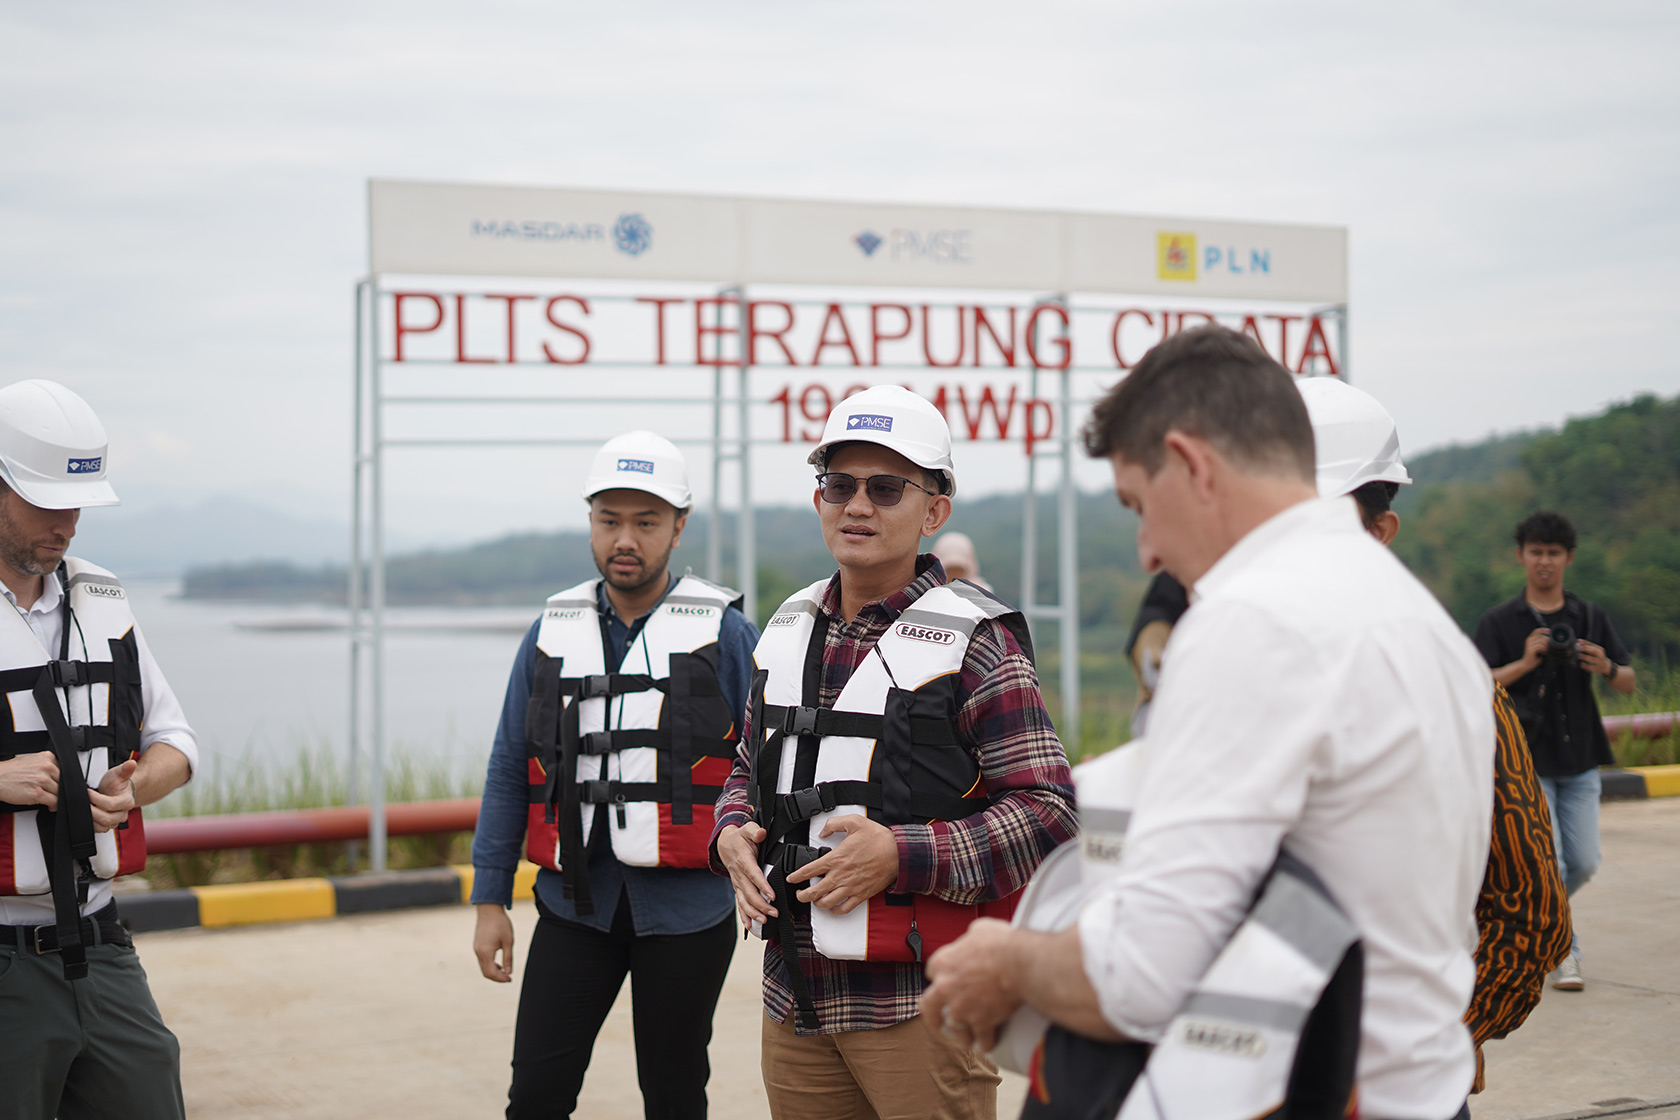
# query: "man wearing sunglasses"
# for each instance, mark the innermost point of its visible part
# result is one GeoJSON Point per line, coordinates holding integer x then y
{"type": "Point", "coordinates": [898, 777]}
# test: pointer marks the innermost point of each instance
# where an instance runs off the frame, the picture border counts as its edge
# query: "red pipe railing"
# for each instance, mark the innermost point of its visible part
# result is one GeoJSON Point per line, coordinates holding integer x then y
{"type": "Point", "coordinates": [422, 818]}
{"type": "Point", "coordinates": [306, 826]}
{"type": "Point", "coordinates": [1651, 725]}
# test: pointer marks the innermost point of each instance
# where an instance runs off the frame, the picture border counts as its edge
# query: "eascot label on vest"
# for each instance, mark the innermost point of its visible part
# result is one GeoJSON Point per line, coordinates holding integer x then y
{"type": "Point", "coordinates": [926, 634]}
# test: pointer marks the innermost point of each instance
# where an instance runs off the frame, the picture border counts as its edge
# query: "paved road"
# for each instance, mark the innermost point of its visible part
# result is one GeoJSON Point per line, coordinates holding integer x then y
{"type": "Point", "coordinates": [385, 1014]}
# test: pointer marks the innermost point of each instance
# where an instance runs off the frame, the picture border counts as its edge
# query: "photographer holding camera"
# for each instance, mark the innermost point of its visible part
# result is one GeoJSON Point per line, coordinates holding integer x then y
{"type": "Point", "coordinates": [1545, 646]}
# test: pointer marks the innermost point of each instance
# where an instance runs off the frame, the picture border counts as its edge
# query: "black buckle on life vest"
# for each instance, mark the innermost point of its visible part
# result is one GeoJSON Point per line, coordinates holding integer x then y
{"type": "Point", "coordinates": [800, 721]}
{"type": "Point", "coordinates": [601, 791]}
{"type": "Point", "coordinates": [791, 857]}
{"type": "Point", "coordinates": [593, 688]}
{"type": "Point", "coordinates": [596, 742]}
{"type": "Point", "coordinates": [803, 804]}
{"type": "Point", "coordinates": [68, 674]}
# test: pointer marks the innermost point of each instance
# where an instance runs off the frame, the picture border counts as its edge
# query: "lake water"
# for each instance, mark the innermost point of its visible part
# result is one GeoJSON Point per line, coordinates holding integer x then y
{"type": "Point", "coordinates": [265, 681]}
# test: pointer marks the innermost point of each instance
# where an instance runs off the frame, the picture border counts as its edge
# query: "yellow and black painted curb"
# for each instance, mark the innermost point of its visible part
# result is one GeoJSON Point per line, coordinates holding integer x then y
{"type": "Point", "coordinates": [300, 900]}
{"type": "Point", "coordinates": [1637, 783]}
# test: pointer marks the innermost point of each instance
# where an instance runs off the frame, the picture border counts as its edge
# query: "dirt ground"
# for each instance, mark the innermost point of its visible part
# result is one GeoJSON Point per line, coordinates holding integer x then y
{"type": "Point", "coordinates": [386, 1014]}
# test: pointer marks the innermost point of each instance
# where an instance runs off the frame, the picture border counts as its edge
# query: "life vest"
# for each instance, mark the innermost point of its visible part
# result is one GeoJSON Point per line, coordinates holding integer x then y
{"type": "Point", "coordinates": [888, 749]}
{"type": "Point", "coordinates": [1270, 1030]}
{"type": "Point", "coordinates": [655, 740]}
{"type": "Point", "coordinates": [87, 711]}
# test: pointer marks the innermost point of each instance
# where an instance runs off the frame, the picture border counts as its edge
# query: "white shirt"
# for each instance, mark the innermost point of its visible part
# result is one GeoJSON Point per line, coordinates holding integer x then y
{"type": "Point", "coordinates": [162, 721]}
{"type": "Point", "coordinates": [1315, 696]}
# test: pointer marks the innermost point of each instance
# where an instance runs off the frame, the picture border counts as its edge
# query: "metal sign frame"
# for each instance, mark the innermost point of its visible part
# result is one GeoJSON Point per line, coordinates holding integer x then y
{"type": "Point", "coordinates": [367, 600]}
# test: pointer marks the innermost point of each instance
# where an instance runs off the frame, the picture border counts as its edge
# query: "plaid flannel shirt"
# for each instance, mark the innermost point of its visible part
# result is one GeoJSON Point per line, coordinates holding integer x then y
{"type": "Point", "coordinates": [1001, 721]}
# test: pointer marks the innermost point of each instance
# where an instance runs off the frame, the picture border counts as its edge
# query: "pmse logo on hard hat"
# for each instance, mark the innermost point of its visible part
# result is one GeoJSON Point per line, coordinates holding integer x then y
{"type": "Point", "coordinates": [641, 466]}
{"type": "Point", "coordinates": [872, 421]}
{"type": "Point", "coordinates": [85, 466]}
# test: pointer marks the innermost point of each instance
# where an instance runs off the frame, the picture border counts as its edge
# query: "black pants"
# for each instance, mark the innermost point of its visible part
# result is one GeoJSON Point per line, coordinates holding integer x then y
{"type": "Point", "coordinates": [572, 976]}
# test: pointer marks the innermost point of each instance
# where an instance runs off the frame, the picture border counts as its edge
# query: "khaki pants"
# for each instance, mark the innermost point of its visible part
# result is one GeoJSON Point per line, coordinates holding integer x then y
{"type": "Point", "coordinates": [902, 1072]}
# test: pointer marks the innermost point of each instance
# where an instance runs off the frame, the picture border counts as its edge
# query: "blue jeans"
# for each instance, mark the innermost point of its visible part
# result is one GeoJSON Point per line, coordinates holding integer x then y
{"type": "Point", "coordinates": [1573, 802]}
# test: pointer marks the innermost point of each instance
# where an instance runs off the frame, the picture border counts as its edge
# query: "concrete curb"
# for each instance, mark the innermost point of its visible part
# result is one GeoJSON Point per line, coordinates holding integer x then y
{"type": "Point", "coordinates": [1637, 783]}
{"type": "Point", "coordinates": [301, 900]}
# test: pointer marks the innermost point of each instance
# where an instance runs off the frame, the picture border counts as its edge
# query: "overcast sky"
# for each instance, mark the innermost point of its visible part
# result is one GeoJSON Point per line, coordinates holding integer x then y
{"type": "Point", "coordinates": [182, 185]}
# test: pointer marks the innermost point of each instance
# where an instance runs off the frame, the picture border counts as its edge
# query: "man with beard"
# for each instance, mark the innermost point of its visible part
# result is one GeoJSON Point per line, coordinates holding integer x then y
{"type": "Point", "coordinates": [92, 733]}
{"type": "Point", "coordinates": [615, 739]}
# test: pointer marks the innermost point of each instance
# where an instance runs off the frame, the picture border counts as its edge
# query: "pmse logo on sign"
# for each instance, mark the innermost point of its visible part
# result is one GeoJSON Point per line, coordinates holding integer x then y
{"type": "Point", "coordinates": [1176, 258]}
{"type": "Point", "coordinates": [935, 246]}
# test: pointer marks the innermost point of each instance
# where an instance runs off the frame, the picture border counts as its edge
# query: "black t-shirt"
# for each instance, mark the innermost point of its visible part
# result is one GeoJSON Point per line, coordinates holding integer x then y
{"type": "Point", "coordinates": [1555, 701]}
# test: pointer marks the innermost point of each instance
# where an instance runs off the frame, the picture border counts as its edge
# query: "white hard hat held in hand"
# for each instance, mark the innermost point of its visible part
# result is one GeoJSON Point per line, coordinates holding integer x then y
{"type": "Point", "coordinates": [1355, 436]}
{"type": "Point", "coordinates": [52, 447]}
{"type": "Point", "coordinates": [641, 461]}
{"type": "Point", "coordinates": [896, 418]}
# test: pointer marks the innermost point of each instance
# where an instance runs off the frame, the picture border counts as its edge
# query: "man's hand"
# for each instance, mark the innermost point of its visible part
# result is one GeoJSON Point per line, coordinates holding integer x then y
{"type": "Point", "coordinates": [114, 797]}
{"type": "Point", "coordinates": [860, 867]}
{"type": "Point", "coordinates": [1593, 657]}
{"type": "Point", "coordinates": [973, 989]}
{"type": "Point", "coordinates": [1534, 652]}
{"type": "Point", "coordinates": [30, 779]}
{"type": "Point", "coordinates": [494, 934]}
{"type": "Point", "coordinates": [737, 848]}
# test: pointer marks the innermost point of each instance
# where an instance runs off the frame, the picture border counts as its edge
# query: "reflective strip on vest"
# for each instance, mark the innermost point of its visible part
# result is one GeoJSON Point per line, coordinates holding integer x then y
{"type": "Point", "coordinates": [686, 620]}
{"type": "Point", "coordinates": [101, 631]}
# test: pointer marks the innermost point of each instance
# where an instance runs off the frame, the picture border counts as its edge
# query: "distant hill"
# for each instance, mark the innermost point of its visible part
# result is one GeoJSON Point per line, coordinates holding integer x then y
{"type": "Point", "coordinates": [152, 538]}
{"type": "Point", "coordinates": [1615, 475]}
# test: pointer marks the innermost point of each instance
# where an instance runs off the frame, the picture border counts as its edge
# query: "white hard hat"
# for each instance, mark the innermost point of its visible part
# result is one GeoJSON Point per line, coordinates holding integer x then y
{"type": "Point", "coordinates": [52, 447]}
{"type": "Point", "coordinates": [1356, 438]}
{"type": "Point", "coordinates": [896, 418]}
{"type": "Point", "coordinates": [641, 461]}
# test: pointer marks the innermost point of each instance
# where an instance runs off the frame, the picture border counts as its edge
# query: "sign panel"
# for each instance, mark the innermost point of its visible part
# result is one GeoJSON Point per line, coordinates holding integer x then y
{"type": "Point", "coordinates": [467, 230]}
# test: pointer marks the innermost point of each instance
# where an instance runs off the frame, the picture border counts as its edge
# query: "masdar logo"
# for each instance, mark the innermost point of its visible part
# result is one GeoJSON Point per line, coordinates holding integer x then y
{"type": "Point", "coordinates": [1175, 256]}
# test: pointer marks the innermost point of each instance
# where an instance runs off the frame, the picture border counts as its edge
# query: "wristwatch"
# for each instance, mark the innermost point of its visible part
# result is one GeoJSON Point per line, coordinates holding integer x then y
{"type": "Point", "coordinates": [1614, 669]}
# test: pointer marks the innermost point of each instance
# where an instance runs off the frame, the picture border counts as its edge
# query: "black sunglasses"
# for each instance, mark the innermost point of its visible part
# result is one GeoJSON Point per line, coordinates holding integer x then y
{"type": "Point", "coordinates": [883, 489]}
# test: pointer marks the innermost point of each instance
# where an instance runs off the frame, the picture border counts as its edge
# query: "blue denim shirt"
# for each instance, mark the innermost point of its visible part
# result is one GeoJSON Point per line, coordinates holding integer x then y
{"type": "Point", "coordinates": [663, 900]}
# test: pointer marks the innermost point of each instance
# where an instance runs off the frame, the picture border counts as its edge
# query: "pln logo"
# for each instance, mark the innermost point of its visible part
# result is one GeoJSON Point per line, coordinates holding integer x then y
{"type": "Point", "coordinates": [1175, 256]}
{"type": "Point", "coordinates": [868, 241]}
{"type": "Point", "coordinates": [640, 466]}
{"type": "Point", "coordinates": [869, 421]}
{"type": "Point", "coordinates": [85, 466]}
{"type": "Point", "coordinates": [632, 234]}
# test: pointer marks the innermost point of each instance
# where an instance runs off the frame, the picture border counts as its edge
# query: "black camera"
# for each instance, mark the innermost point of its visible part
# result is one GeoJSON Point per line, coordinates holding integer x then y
{"type": "Point", "coordinates": [1560, 645]}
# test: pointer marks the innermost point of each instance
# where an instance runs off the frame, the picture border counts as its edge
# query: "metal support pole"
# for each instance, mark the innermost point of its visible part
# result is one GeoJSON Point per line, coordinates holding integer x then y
{"type": "Point", "coordinates": [714, 509]}
{"type": "Point", "coordinates": [1029, 528]}
{"type": "Point", "coordinates": [353, 593]}
{"type": "Point", "coordinates": [746, 530]}
{"type": "Point", "coordinates": [1342, 343]}
{"type": "Point", "coordinates": [376, 589]}
{"type": "Point", "coordinates": [1067, 550]}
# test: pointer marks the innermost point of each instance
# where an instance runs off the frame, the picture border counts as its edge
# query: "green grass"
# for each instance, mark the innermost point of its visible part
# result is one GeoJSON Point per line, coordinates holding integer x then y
{"type": "Point", "coordinates": [312, 776]}
{"type": "Point", "coordinates": [1658, 691]}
